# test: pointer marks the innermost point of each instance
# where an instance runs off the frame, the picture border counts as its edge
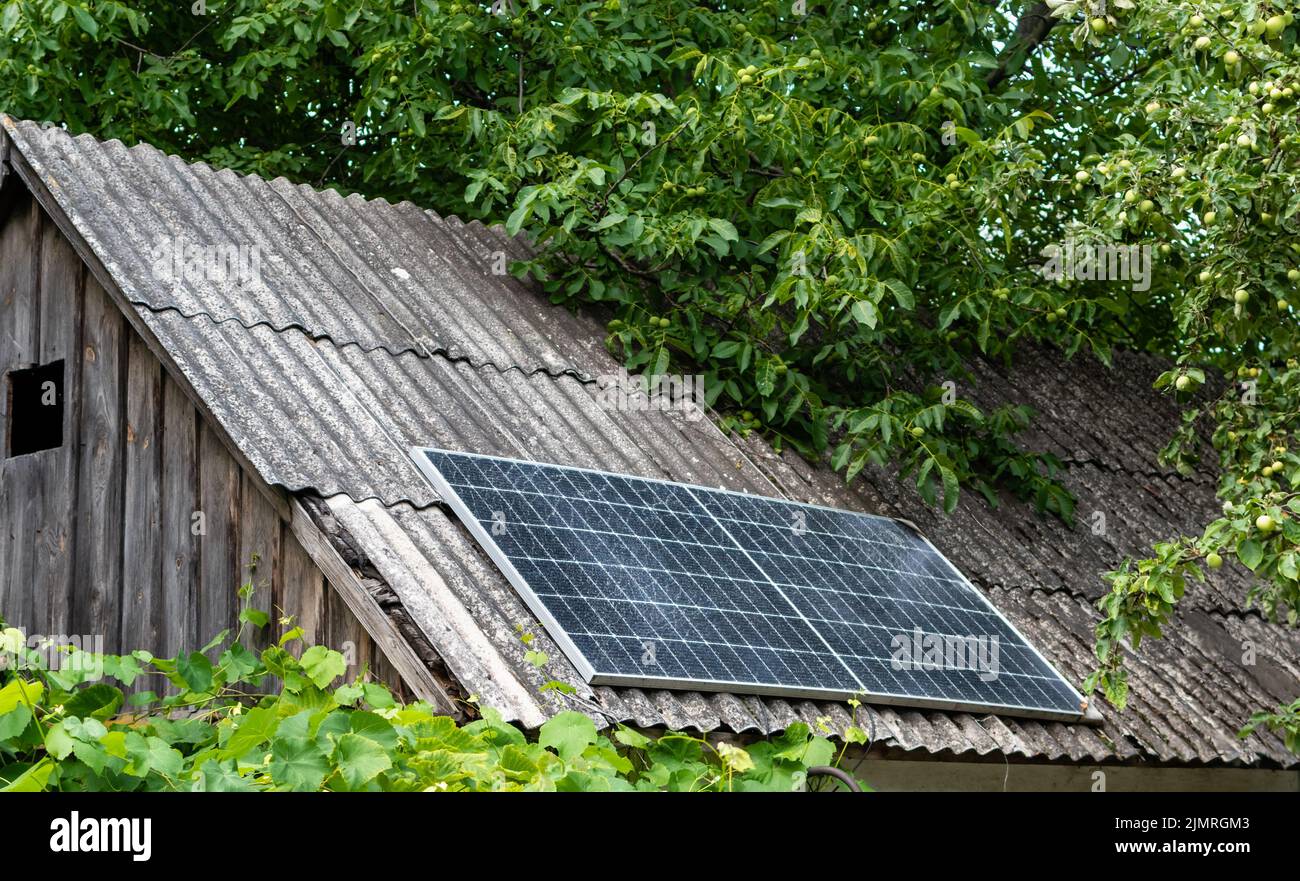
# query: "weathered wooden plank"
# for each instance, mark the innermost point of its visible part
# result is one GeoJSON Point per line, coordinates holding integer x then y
{"type": "Point", "coordinates": [178, 504]}
{"type": "Point", "coordinates": [143, 612]}
{"type": "Point", "coordinates": [387, 674]}
{"type": "Point", "coordinates": [259, 554]}
{"type": "Point", "coordinates": [96, 606]}
{"type": "Point", "coordinates": [345, 634]}
{"type": "Point", "coordinates": [305, 592]}
{"type": "Point", "coordinates": [21, 513]}
{"type": "Point", "coordinates": [220, 572]}
{"type": "Point", "coordinates": [345, 582]}
{"type": "Point", "coordinates": [62, 292]}
{"type": "Point", "coordinates": [19, 348]}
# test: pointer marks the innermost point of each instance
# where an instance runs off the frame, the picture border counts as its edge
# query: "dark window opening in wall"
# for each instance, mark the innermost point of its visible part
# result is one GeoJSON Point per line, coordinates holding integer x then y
{"type": "Point", "coordinates": [35, 410]}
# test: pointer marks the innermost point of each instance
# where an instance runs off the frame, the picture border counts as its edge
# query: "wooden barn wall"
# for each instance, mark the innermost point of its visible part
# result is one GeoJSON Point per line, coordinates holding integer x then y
{"type": "Point", "coordinates": [96, 536]}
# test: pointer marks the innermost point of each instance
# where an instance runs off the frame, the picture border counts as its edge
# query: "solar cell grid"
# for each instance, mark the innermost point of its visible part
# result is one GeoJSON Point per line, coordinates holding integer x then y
{"type": "Point", "coordinates": [645, 582]}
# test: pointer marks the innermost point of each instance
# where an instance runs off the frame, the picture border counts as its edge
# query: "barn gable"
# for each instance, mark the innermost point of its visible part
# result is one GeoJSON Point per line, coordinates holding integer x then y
{"type": "Point", "coordinates": [378, 327]}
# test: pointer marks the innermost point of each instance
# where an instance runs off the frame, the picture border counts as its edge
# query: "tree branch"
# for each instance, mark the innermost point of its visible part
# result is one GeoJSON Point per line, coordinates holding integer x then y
{"type": "Point", "coordinates": [1035, 24]}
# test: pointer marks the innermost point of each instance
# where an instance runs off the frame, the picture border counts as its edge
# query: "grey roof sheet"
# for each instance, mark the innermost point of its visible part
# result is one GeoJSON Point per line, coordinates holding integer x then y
{"type": "Point", "coordinates": [378, 275]}
{"type": "Point", "coordinates": [324, 391]}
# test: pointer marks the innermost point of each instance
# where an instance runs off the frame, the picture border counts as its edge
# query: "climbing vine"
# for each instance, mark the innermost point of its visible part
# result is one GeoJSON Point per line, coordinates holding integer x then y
{"type": "Point", "coordinates": [286, 718]}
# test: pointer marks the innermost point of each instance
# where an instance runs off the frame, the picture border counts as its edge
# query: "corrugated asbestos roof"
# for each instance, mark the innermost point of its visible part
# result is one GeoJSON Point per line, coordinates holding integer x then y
{"type": "Point", "coordinates": [379, 327]}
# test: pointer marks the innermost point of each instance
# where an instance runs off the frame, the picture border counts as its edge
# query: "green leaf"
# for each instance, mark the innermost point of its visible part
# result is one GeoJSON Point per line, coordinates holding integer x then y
{"type": "Point", "coordinates": [416, 117]}
{"type": "Point", "coordinates": [724, 228]}
{"type": "Point", "coordinates": [568, 733]}
{"type": "Point", "coordinates": [87, 22]}
{"type": "Point", "coordinates": [34, 779]}
{"type": "Point", "coordinates": [20, 692]}
{"type": "Point", "coordinates": [323, 665]}
{"type": "Point", "coordinates": [629, 737]}
{"type": "Point", "coordinates": [515, 221]}
{"type": "Point", "coordinates": [608, 221]}
{"type": "Point", "coordinates": [360, 760]}
{"type": "Point", "coordinates": [223, 776]}
{"type": "Point", "coordinates": [298, 763]}
{"type": "Point", "coordinates": [255, 727]}
{"type": "Point", "coordinates": [14, 722]}
{"type": "Point", "coordinates": [152, 755]}
{"type": "Point", "coordinates": [256, 617]}
{"type": "Point", "coordinates": [377, 696]}
{"type": "Point", "coordinates": [57, 741]}
{"type": "Point", "coordinates": [196, 671]}
{"type": "Point", "coordinates": [10, 17]}
{"type": "Point", "coordinates": [950, 489]}
{"type": "Point", "coordinates": [902, 294]}
{"type": "Point", "coordinates": [374, 727]}
{"type": "Point", "coordinates": [1250, 553]}
{"type": "Point", "coordinates": [865, 312]}
{"type": "Point", "coordinates": [100, 701]}
{"type": "Point", "coordinates": [518, 765]}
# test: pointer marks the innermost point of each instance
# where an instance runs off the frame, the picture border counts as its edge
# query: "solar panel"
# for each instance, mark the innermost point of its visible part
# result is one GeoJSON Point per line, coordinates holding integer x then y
{"type": "Point", "coordinates": [649, 583]}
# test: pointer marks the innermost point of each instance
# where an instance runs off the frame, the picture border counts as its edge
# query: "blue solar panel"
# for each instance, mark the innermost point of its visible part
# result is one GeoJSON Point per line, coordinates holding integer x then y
{"type": "Point", "coordinates": [657, 584]}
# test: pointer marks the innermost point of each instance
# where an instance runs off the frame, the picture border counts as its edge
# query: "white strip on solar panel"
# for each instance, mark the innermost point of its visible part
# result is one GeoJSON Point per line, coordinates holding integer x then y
{"type": "Point", "coordinates": [657, 584]}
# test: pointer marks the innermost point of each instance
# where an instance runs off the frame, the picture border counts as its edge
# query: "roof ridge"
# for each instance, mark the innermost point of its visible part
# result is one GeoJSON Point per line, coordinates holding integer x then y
{"type": "Point", "coordinates": [19, 129]}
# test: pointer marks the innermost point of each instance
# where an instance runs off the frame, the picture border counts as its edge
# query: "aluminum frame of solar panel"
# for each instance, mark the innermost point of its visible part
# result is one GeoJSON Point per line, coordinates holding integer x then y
{"type": "Point", "coordinates": [1064, 693]}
